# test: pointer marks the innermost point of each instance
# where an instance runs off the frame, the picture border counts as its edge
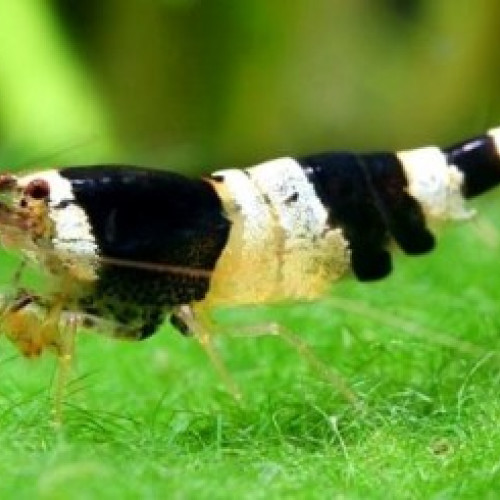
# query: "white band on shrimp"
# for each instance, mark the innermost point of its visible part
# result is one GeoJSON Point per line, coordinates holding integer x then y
{"type": "Point", "coordinates": [73, 231]}
{"type": "Point", "coordinates": [436, 185]}
{"type": "Point", "coordinates": [494, 133]}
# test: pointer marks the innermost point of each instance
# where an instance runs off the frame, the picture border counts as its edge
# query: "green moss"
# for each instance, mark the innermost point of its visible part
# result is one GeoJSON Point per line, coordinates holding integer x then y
{"type": "Point", "coordinates": [153, 419]}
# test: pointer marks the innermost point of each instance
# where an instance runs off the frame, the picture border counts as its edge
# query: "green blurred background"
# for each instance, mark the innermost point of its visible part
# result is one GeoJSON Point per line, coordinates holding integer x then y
{"type": "Point", "coordinates": [194, 85]}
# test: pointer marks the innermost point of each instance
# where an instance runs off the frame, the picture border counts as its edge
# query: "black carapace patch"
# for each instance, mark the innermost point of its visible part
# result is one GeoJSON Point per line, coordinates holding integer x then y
{"type": "Point", "coordinates": [153, 217]}
{"type": "Point", "coordinates": [479, 161]}
{"type": "Point", "coordinates": [366, 196]}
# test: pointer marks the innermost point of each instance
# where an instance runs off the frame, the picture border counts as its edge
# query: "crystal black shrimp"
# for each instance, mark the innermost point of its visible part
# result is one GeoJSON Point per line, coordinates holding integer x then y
{"type": "Point", "coordinates": [127, 247]}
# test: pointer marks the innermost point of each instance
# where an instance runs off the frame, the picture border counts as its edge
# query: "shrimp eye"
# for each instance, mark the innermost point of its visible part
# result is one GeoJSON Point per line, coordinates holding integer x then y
{"type": "Point", "coordinates": [38, 189]}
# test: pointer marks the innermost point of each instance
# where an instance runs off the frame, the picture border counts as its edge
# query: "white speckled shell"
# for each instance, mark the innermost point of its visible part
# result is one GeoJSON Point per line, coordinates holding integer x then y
{"type": "Point", "coordinates": [280, 246]}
